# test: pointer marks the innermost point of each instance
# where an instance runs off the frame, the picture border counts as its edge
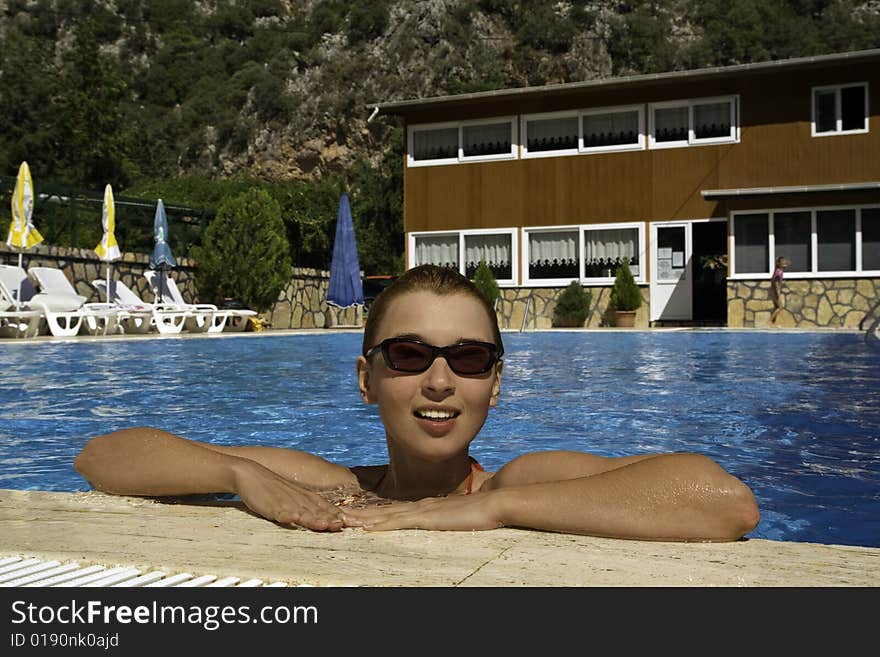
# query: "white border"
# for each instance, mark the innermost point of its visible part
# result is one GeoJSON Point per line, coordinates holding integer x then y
{"type": "Point", "coordinates": [691, 140]}
{"type": "Point", "coordinates": [838, 110]}
{"type": "Point", "coordinates": [462, 158]}
{"type": "Point", "coordinates": [514, 248]}
{"type": "Point", "coordinates": [814, 273]}
{"type": "Point", "coordinates": [581, 229]}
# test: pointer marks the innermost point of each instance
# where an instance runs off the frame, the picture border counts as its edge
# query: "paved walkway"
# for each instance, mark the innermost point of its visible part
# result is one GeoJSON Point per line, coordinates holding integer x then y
{"type": "Point", "coordinates": [225, 540]}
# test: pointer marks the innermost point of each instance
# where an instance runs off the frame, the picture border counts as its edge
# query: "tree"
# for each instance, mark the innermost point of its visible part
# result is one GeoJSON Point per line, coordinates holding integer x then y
{"type": "Point", "coordinates": [244, 253]}
{"type": "Point", "coordinates": [573, 306]}
{"type": "Point", "coordinates": [625, 295]}
{"type": "Point", "coordinates": [485, 282]}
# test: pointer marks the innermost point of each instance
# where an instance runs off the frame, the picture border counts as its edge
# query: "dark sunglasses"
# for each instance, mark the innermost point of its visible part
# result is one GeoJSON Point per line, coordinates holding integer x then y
{"type": "Point", "coordinates": [413, 356]}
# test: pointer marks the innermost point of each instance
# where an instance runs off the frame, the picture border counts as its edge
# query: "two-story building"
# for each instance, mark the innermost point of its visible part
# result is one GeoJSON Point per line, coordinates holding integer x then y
{"type": "Point", "coordinates": [699, 179]}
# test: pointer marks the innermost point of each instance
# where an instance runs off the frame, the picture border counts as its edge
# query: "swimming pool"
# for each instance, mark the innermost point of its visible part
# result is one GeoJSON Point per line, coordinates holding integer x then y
{"type": "Point", "coordinates": [795, 415]}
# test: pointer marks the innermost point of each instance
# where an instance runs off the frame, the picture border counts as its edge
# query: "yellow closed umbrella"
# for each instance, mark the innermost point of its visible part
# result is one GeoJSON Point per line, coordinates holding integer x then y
{"type": "Point", "coordinates": [22, 234]}
{"type": "Point", "coordinates": [108, 249]}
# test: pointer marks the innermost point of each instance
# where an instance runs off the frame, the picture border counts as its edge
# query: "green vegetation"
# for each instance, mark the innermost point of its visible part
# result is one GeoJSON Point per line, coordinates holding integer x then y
{"type": "Point", "coordinates": [625, 295]}
{"type": "Point", "coordinates": [572, 306]}
{"type": "Point", "coordinates": [178, 100]}
{"type": "Point", "coordinates": [485, 282]}
{"type": "Point", "coordinates": [244, 253]}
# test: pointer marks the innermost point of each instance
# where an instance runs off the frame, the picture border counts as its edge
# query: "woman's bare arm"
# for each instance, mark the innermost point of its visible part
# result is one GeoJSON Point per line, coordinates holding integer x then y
{"type": "Point", "coordinates": [152, 462]}
{"type": "Point", "coordinates": [676, 497]}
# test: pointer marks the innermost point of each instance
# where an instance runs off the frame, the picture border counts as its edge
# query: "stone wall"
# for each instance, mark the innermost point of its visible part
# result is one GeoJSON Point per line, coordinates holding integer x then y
{"type": "Point", "coordinates": [302, 304]}
{"type": "Point", "coordinates": [512, 307]}
{"type": "Point", "coordinates": [82, 267]}
{"type": "Point", "coordinates": [809, 303]}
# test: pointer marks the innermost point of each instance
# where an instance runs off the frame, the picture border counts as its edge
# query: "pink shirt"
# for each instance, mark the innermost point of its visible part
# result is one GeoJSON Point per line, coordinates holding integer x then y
{"type": "Point", "coordinates": [777, 275]}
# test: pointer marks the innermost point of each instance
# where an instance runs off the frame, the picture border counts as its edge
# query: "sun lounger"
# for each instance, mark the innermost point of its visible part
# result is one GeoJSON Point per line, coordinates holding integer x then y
{"type": "Point", "coordinates": [140, 315]}
{"type": "Point", "coordinates": [64, 312]}
{"type": "Point", "coordinates": [236, 319]}
{"type": "Point", "coordinates": [69, 312]}
{"type": "Point", "coordinates": [203, 317]}
{"type": "Point", "coordinates": [18, 320]}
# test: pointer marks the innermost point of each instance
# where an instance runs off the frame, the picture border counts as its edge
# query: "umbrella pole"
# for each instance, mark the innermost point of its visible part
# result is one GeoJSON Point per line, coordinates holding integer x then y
{"type": "Point", "coordinates": [20, 266]}
{"type": "Point", "coordinates": [109, 295]}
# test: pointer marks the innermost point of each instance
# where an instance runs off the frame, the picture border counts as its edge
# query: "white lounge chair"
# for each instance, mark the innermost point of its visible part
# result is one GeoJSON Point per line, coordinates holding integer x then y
{"type": "Point", "coordinates": [203, 317]}
{"type": "Point", "coordinates": [18, 319]}
{"type": "Point", "coordinates": [140, 316]}
{"type": "Point", "coordinates": [79, 314]}
{"type": "Point", "coordinates": [236, 319]}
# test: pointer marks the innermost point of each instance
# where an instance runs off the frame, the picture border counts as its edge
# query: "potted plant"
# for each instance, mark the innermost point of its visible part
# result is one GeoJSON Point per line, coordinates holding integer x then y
{"type": "Point", "coordinates": [572, 306]}
{"type": "Point", "coordinates": [486, 283]}
{"type": "Point", "coordinates": [626, 297]}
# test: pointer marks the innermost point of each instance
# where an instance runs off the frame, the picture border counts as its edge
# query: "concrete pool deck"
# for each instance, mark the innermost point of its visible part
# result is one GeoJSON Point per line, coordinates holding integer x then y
{"type": "Point", "coordinates": [225, 540]}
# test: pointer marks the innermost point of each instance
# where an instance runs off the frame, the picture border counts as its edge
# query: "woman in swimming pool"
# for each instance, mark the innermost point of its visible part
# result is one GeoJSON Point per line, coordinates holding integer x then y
{"type": "Point", "coordinates": [432, 362]}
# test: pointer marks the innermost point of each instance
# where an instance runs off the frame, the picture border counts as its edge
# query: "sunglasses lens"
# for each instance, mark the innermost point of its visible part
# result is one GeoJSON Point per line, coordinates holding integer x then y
{"type": "Point", "coordinates": [408, 356]}
{"type": "Point", "coordinates": [470, 358]}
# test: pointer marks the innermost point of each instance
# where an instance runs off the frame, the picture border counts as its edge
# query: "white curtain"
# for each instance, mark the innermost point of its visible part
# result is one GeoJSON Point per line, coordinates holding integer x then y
{"type": "Point", "coordinates": [611, 243]}
{"type": "Point", "coordinates": [437, 250]}
{"type": "Point", "coordinates": [547, 247]}
{"type": "Point", "coordinates": [494, 249]}
{"type": "Point", "coordinates": [435, 144]}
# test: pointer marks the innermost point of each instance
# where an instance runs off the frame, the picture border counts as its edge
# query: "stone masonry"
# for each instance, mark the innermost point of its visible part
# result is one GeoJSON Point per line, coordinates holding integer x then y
{"type": "Point", "coordinates": [809, 303]}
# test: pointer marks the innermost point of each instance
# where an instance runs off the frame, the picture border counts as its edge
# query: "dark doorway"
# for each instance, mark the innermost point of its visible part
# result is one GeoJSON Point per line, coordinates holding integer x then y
{"type": "Point", "coordinates": [710, 272]}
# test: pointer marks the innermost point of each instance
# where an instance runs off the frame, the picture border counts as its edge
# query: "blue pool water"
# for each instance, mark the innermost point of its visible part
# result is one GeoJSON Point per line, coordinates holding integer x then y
{"type": "Point", "coordinates": [794, 415]}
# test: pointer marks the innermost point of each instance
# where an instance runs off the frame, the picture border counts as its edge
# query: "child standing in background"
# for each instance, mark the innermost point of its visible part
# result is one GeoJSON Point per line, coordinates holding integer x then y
{"type": "Point", "coordinates": [776, 287]}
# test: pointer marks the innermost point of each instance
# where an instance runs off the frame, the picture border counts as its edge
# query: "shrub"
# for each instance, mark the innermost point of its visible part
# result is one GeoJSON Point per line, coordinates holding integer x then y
{"type": "Point", "coordinates": [572, 306]}
{"type": "Point", "coordinates": [485, 282]}
{"type": "Point", "coordinates": [625, 295]}
{"type": "Point", "coordinates": [244, 253]}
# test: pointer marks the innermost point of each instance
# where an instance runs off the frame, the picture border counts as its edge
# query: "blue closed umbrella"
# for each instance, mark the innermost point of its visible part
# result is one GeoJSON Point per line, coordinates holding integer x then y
{"type": "Point", "coordinates": [346, 288]}
{"type": "Point", "coordinates": [161, 257]}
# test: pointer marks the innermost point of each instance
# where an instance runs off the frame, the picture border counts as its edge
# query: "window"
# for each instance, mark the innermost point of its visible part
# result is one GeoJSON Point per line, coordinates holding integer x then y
{"type": "Point", "coordinates": [494, 249]}
{"type": "Point", "coordinates": [450, 143]}
{"type": "Point", "coordinates": [570, 133]}
{"type": "Point", "coordinates": [751, 253]}
{"type": "Point", "coordinates": [613, 129]}
{"type": "Point", "coordinates": [605, 249]}
{"type": "Point", "coordinates": [871, 239]}
{"type": "Point", "coordinates": [463, 250]}
{"type": "Point", "coordinates": [441, 250]}
{"type": "Point", "coordinates": [694, 122]}
{"type": "Point", "coordinates": [590, 254]}
{"type": "Point", "coordinates": [553, 254]}
{"type": "Point", "coordinates": [550, 134]}
{"type": "Point", "coordinates": [840, 109]}
{"type": "Point", "coordinates": [836, 239]}
{"type": "Point", "coordinates": [792, 239]}
{"type": "Point", "coordinates": [839, 242]}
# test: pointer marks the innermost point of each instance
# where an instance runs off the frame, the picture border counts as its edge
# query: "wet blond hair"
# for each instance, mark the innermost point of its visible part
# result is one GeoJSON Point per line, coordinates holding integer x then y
{"type": "Point", "coordinates": [441, 281]}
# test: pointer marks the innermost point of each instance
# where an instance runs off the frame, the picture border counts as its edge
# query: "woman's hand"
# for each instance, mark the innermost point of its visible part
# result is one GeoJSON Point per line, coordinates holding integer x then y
{"type": "Point", "coordinates": [457, 512]}
{"type": "Point", "coordinates": [278, 499]}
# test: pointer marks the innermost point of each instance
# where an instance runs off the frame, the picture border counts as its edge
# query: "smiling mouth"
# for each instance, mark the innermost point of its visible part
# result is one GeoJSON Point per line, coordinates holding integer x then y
{"type": "Point", "coordinates": [436, 415]}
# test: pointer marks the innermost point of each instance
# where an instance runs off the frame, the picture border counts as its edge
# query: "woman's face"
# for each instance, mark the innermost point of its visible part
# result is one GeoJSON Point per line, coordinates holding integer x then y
{"type": "Point", "coordinates": [436, 413]}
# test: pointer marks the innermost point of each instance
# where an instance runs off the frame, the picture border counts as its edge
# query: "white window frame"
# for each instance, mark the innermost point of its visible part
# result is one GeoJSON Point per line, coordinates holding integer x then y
{"type": "Point", "coordinates": [609, 280]}
{"type": "Point", "coordinates": [582, 278]}
{"type": "Point", "coordinates": [526, 256]}
{"type": "Point", "coordinates": [461, 158]}
{"type": "Point", "coordinates": [613, 110]}
{"type": "Point", "coordinates": [462, 265]}
{"type": "Point", "coordinates": [691, 140]}
{"type": "Point", "coordinates": [838, 110]}
{"type": "Point", "coordinates": [814, 272]}
{"type": "Point", "coordinates": [523, 131]}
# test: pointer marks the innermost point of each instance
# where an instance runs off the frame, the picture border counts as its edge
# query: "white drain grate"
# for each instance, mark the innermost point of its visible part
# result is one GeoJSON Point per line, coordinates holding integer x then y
{"type": "Point", "coordinates": [30, 571]}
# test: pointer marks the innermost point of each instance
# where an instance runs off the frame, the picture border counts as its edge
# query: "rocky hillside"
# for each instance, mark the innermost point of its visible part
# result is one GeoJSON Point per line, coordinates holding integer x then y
{"type": "Point", "coordinates": [121, 90]}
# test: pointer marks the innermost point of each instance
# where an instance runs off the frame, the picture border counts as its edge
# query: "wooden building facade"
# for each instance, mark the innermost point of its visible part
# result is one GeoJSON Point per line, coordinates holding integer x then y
{"type": "Point", "coordinates": [698, 179]}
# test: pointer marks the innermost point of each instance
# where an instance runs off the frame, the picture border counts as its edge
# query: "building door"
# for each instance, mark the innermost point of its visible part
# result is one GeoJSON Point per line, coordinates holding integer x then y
{"type": "Point", "coordinates": [709, 257]}
{"type": "Point", "coordinates": [671, 271]}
